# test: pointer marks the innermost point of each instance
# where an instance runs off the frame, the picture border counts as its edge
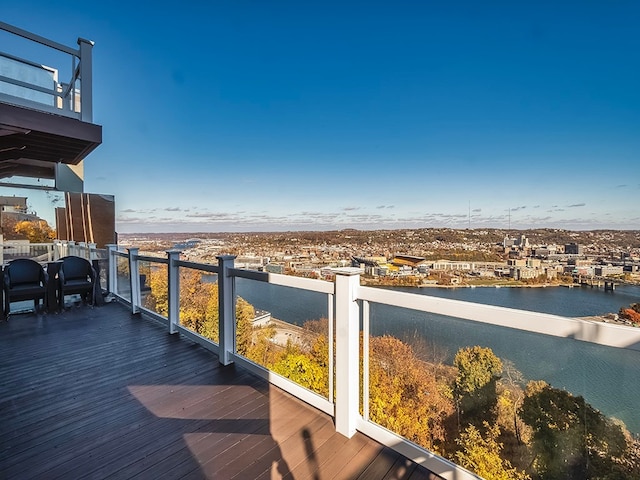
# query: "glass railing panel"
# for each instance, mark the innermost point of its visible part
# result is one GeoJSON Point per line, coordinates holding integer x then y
{"type": "Point", "coordinates": [41, 77]}
{"type": "Point", "coordinates": [285, 330]}
{"type": "Point", "coordinates": [103, 273]}
{"type": "Point", "coordinates": [153, 287]}
{"type": "Point", "coordinates": [40, 252]}
{"type": "Point", "coordinates": [548, 407]}
{"type": "Point", "coordinates": [199, 302]}
{"type": "Point", "coordinates": [123, 286]}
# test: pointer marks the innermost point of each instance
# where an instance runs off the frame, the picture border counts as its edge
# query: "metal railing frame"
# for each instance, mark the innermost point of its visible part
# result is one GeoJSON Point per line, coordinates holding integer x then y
{"type": "Point", "coordinates": [81, 69]}
{"type": "Point", "coordinates": [349, 302]}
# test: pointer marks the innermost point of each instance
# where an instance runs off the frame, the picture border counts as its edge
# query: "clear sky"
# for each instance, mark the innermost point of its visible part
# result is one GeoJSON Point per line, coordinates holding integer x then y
{"type": "Point", "coordinates": [283, 115]}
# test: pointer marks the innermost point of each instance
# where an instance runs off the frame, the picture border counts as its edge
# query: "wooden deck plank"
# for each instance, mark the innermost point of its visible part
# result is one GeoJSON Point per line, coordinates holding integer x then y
{"type": "Point", "coordinates": [100, 393]}
{"type": "Point", "coordinates": [380, 465]}
{"type": "Point", "coordinates": [402, 469]}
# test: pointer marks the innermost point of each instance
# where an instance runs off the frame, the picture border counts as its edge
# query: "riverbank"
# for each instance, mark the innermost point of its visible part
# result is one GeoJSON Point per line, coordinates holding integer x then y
{"type": "Point", "coordinates": [399, 282]}
{"type": "Point", "coordinates": [376, 283]}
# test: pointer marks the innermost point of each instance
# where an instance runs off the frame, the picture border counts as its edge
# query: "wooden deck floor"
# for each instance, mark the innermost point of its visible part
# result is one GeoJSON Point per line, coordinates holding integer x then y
{"type": "Point", "coordinates": [99, 393]}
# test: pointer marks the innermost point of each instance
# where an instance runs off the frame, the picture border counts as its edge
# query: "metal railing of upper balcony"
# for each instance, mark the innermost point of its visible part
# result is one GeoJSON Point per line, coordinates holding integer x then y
{"type": "Point", "coordinates": [579, 355]}
{"type": "Point", "coordinates": [31, 84]}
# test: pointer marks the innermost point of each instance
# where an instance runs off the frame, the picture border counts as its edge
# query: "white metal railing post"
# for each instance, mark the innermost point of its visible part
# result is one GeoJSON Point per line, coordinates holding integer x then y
{"type": "Point", "coordinates": [347, 350]}
{"type": "Point", "coordinates": [134, 279]}
{"type": "Point", "coordinates": [226, 310]}
{"type": "Point", "coordinates": [86, 80]}
{"type": "Point", "coordinates": [91, 250]}
{"type": "Point", "coordinates": [112, 271]}
{"type": "Point", "coordinates": [173, 290]}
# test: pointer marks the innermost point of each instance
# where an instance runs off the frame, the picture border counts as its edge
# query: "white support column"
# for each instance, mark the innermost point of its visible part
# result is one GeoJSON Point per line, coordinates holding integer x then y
{"type": "Point", "coordinates": [173, 290]}
{"type": "Point", "coordinates": [134, 280]}
{"type": "Point", "coordinates": [226, 310]}
{"type": "Point", "coordinates": [347, 350]}
{"type": "Point", "coordinates": [112, 271]}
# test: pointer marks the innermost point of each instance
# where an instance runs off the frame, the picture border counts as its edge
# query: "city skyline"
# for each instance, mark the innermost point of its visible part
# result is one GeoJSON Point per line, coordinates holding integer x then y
{"type": "Point", "coordinates": [275, 117]}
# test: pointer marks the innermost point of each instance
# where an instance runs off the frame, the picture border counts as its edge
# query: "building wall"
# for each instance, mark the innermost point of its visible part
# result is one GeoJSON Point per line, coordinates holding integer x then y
{"type": "Point", "coordinates": [87, 217]}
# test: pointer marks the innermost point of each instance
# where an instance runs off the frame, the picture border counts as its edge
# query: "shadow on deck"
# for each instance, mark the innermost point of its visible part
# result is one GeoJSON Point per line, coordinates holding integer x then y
{"type": "Point", "coordinates": [97, 392]}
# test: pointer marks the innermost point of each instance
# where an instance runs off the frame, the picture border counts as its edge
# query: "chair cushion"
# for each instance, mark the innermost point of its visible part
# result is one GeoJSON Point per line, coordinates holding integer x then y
{"type": "Point", "coordinates": [26, 289]}
{"type": "Point", "coordinates": [77, 283]}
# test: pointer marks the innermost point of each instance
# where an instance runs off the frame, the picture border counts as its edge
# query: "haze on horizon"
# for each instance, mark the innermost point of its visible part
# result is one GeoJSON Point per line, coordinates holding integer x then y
{"type": "Point", "coordinates": [276, 116]}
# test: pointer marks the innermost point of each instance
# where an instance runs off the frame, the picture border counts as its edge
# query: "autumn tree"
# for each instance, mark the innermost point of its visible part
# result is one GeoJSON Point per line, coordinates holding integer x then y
{"type": "Point", "coordinates": [475, 385]}
{"type": "Point", "coordinates": [571, 439]}
{"type": "Point", "coordinates": [404, 395]}
{"type": "Point", "coordinates": [36, 231]}
{"type": "Point", "coordinates": [482, 454]}
{"type": "Point", "coordinates": [262, 350]}
{"type": "Point", "coordinates": [631, 313]}
{"type": "Point", "coordinates": [198, 300]}
{"type": "Point", "coordinates": [304, 371]}
{"type": "Point", "coordinates": [199, 304]}
{"type": "Point", "coordinates": [515, 435]}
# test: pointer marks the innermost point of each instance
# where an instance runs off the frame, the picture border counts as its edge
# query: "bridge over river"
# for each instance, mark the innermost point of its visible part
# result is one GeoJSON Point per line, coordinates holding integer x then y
{"type": "Point", "coordinates": [609, 283]}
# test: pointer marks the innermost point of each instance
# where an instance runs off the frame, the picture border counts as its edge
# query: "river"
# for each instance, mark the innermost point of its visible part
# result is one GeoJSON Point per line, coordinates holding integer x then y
{"type": "Point", "coordinates": [608, 378]}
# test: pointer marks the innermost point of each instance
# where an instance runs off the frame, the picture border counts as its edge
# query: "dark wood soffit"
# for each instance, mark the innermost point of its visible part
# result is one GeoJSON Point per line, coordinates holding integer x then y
{"type": "Point", "coordinates": [50, 137]}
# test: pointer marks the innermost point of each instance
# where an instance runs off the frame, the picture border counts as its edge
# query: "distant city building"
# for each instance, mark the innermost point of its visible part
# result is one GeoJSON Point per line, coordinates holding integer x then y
{"type": "Point", "coordinates": [523, 273]}
{"type": "Point", "coordinates": [604, 270]}
{"type": "Point", "coordinates": [408, 261]}
{"type": "Point", "coordinates": [533, 263]}
{"type": "Point", "coordinates": [191, 243]}
{"type": "Point", "coordinates": [573, 249]}
{"type": "Point", "coordinates": [521, 242]}
{"type": "Point", "coordinates": [544, 251]}
{"type": "Point", "coordinates": [274, 268]}
{"type": "Point", "coordinates": [452, 265]}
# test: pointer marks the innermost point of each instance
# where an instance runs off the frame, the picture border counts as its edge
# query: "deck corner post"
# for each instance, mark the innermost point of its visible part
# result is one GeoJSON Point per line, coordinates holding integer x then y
{"type": "Point", "coordinates": [134, 275]}
{"type": "Point", "coordinates": [226, 309]}
{"type": "Point", "coordinates": [112, 268]}
{"type": "Point", "coordinates": [173, 282]}
{"type": "Point", "coordinates": [347, 350]}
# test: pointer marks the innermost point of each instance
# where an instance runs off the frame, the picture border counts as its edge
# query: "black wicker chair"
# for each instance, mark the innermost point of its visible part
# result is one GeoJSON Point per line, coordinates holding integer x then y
{"type": "Point", "coordinates": [76, 276]}
{"type": "Point", "coordinates": [24, 279]}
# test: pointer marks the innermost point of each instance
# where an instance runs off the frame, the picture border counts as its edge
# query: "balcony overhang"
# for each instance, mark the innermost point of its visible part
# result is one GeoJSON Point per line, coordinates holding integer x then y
{"type": "Point", "coordinates": [33, 142]}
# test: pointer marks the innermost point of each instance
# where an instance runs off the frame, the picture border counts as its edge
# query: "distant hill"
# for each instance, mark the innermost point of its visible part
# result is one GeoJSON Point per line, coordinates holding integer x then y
{"type": "Point", "coordinates": [622, 239]}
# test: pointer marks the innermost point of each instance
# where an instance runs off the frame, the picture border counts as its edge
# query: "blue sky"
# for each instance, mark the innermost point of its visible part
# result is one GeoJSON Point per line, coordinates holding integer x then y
{"type": "Point", "coordinates": [264, 116]}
